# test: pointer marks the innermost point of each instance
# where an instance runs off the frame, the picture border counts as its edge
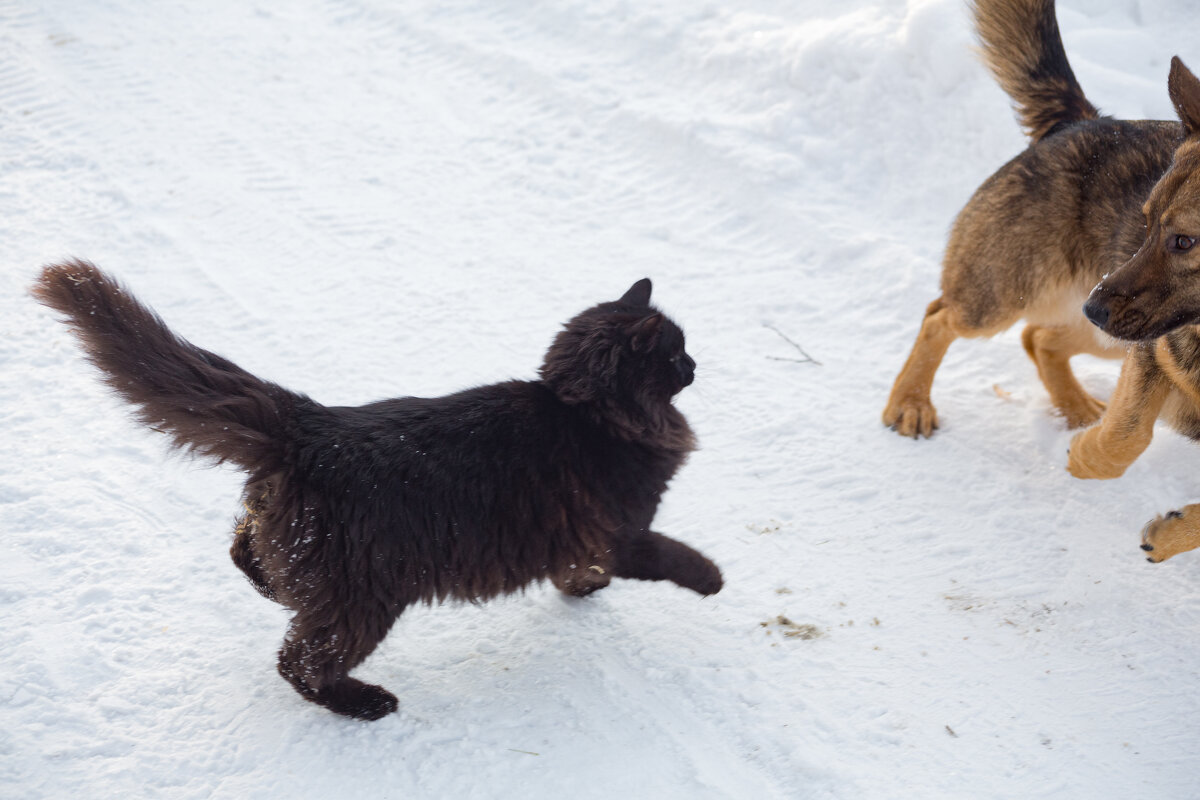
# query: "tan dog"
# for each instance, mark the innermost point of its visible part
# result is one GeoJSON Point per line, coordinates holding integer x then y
{"type": "Point", "coordinates": [1093, 202]}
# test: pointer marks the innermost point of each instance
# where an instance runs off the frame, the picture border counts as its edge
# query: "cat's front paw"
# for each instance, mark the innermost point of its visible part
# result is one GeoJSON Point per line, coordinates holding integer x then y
{"type": "Point", "coordinates": [704, 578]}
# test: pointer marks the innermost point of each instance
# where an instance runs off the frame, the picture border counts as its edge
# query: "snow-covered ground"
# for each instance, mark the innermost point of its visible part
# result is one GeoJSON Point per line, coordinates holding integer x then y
{"type": "Point", "coordinates": [363, 198]}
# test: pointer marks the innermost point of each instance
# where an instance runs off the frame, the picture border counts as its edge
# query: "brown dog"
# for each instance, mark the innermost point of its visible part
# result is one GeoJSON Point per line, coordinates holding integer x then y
{"type": "Point", "coordinates": [1093, 202]}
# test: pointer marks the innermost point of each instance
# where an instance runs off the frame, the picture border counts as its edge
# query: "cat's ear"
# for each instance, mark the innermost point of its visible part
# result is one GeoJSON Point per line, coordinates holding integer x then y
{"type": "Point", "coordinates": [643, 334]}
{"type": "Point", "coordinates": [638, 294]}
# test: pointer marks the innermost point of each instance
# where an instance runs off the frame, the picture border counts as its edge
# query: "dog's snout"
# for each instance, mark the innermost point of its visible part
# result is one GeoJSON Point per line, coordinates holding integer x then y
{"type": "Point", "coordinates": [1096, 311]}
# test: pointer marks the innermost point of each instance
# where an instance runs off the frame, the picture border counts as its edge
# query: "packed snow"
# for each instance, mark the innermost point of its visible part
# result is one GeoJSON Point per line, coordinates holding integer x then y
{"type": "Point", "coordinates": [361, 199]}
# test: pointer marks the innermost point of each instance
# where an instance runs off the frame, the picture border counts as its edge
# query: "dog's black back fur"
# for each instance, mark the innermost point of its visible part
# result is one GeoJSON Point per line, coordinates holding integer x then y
{"type": "Point", "coordinates": [356, 513]}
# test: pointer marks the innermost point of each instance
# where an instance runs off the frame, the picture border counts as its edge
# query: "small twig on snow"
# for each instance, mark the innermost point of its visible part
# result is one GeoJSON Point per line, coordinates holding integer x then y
{"type": "Point", "coordinates": [807, 358]}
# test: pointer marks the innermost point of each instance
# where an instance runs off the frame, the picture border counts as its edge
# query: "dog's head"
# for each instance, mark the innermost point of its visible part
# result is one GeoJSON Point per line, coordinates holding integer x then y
{"type": "Point", "coordinates": [1158, 289]}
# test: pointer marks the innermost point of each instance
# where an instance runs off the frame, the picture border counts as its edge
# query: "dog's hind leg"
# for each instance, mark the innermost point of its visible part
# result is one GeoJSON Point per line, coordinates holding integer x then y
{"type": "Point", "coordinates": [320, 649]}
{"type": "Point", "coordinates": [1051, 348]}
{"type": "Point", "coordinates": [909, 410]}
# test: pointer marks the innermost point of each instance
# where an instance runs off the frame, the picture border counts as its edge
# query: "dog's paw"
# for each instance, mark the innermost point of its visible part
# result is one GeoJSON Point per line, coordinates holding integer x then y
{"type": "Point", "coordinates": [1085, 411]}
{"type": "Point", "coordinates": [913, 417]}
{"type": "Point", "coordinates": [1169, 535]}
{"type": "Point", "coordinates": [1086, 460]}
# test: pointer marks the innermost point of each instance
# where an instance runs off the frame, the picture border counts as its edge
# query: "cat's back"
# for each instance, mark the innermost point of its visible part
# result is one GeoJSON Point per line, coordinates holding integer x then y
{"type": "Point", "coordinates": [505, 429]}
{"type": "Point", "coordinates": [504, 449]}
{"type": "Point", "coordinates": [505, 414]}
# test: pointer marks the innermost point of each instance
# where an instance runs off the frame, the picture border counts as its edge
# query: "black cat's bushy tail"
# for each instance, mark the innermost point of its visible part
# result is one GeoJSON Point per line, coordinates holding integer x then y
{"type": "Point", "coordinates": [205, 403]}
{"type": "Point", "coordinates": [1022, 47]}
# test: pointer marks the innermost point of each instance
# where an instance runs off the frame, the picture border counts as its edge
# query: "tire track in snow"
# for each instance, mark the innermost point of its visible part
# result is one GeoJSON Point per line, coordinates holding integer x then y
{"type": "Point", "coordinates": [715, 201]}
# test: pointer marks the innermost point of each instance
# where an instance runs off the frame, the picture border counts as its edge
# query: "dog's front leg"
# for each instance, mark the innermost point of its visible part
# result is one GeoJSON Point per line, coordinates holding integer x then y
{"type": "Point", "coordinates": [1106, 450]}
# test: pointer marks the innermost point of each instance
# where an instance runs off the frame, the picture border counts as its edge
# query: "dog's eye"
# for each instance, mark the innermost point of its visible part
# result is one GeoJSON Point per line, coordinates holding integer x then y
{"type": "Point", "coordinates": [1182, 243]}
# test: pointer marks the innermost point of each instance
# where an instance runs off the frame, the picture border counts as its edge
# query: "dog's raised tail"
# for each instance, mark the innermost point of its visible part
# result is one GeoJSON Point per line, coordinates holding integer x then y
{"type": "Point", "coordinates": [1021, 45]}
{"type": "Point", "coordinates": [205, 403]}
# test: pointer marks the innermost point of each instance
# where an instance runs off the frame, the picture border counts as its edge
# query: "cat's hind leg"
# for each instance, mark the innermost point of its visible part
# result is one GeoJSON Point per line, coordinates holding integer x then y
{"type": "Point", "coordinates": [320, 649]}
{"type": "Point", "coordinates": [242, 553]}
{"type": "Point", "coordinates": [245, 532]}
{"type": "Point", "coordinates": [651, 556]}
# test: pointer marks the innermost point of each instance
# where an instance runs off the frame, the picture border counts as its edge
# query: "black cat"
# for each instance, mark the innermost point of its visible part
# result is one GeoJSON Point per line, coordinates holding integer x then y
{"type": "Point", "coordinates": [355, 513]}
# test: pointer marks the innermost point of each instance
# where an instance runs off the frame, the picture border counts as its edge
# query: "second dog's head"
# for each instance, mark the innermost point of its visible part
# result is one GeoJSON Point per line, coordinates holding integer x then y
{"type": "Point", "coordinates": [1158, 289]}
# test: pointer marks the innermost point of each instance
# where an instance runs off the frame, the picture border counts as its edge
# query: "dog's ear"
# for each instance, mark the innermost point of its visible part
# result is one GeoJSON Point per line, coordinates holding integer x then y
{"type": "Point", "coordinates": [638, 294]}
{"type": "Point", "coordinates": [1184, 89]}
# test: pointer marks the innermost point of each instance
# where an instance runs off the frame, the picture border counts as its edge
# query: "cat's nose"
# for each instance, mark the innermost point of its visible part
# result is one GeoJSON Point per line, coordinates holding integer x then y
{"type": "Point", "coordinates": [687, 370]}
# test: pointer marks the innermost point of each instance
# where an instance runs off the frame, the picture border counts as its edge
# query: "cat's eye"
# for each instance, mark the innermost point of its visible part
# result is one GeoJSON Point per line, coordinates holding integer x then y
{"type": "Point", "coordinates": [1181, 243]}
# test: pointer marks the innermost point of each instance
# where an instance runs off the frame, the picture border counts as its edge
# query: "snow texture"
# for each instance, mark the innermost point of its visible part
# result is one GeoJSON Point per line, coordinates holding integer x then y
{"type": "Point", "coordinates": [362, 198]}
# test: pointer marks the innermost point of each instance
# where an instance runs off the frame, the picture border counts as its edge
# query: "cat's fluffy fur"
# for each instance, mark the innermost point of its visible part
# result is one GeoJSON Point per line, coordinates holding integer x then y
{"type": "Point", "coordinates": [353, 514]}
